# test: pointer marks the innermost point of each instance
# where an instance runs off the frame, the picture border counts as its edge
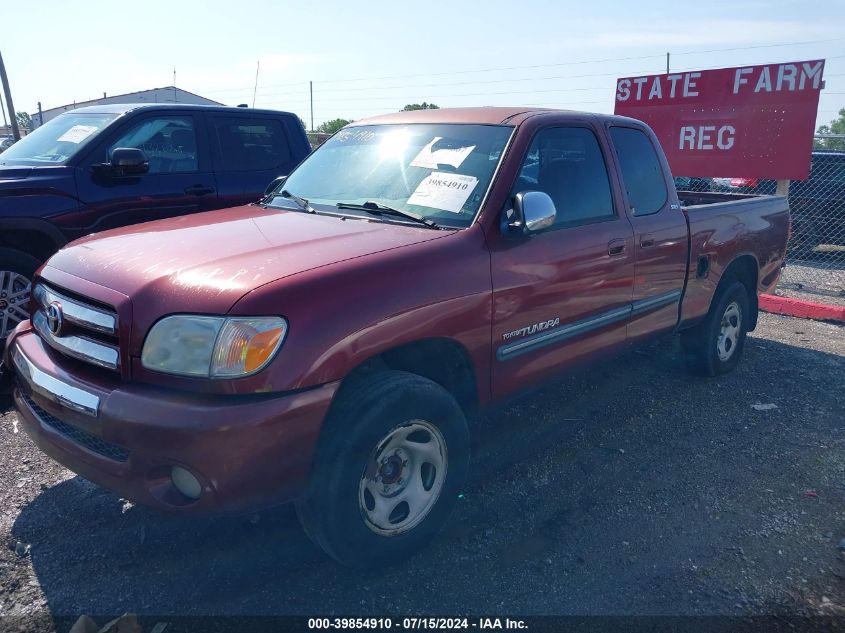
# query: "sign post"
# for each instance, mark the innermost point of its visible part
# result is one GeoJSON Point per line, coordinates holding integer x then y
{"type": "Point", "coordinates": [750, 121]}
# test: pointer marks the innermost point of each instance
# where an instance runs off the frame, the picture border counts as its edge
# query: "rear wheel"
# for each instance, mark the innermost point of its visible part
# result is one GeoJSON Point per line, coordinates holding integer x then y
{"type": "Point", "coordinates": [715, 345]}
{"type": "Point", "coordinates": [392, 459]}
{"type": "Point", "coordinates": [16, 271]}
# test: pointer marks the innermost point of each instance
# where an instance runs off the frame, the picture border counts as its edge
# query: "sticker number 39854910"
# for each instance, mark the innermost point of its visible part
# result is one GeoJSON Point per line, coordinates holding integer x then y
{"type": "Point", "coordinates": [440, 190]}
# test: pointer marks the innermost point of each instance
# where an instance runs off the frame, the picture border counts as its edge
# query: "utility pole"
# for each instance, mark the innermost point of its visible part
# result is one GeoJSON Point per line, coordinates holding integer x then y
{"type": "Point", "coordinates": [3, 108]}
{"type": "Point", "coordinates": [255, 87]}
{"type": "Point", "coordinates": [41, 114]}
{"type": "Point", "coordinates": [667, 63]}
{"type": "Point", "coordinates": [16, 133]}
{"type": "Point", "coordinates": [311, 91]}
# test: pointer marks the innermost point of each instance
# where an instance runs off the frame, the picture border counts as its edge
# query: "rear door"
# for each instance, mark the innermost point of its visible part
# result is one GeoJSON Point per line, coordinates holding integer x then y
{"type": "Point", "coordinates": [250, 150]}
{"type": "Point", "coordinates": [179, 180]}
{"type": "Point", "coordinates": [660, 232]}
{"type": "Point", "coordinates": [563, 295]}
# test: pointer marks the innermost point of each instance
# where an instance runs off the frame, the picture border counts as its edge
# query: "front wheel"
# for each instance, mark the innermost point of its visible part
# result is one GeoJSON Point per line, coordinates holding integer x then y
{"type": "Point", "coordinates": [391, 462]}
{"type": "Point", "coordinates": [16, 272]}
{"type": "Point", "coordinates": [715, 345]}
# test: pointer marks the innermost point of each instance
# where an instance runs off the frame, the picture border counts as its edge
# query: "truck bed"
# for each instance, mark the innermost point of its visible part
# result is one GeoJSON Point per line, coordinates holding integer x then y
{"type": "Point", "coordinates": [722, 227]}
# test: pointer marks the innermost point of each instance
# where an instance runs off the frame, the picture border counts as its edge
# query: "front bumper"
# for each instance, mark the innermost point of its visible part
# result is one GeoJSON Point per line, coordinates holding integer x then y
{"type": "Point", "coordinates": [248, 452]}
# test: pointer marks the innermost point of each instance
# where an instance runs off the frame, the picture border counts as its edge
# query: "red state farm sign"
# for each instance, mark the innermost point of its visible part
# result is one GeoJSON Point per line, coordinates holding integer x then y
{"type": "Point", "coordinates": [753, 121]}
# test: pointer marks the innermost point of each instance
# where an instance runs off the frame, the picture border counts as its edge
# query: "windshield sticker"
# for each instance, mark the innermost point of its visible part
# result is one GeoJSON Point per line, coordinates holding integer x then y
{"type": "Point", "coordinates": [354, 135]}
{"type": "Point", "coordinates": [440, 190]}
{"type": "Point", "coordinates": [78, 133]}
{"type": "Point", "coordinates": [430, 156]}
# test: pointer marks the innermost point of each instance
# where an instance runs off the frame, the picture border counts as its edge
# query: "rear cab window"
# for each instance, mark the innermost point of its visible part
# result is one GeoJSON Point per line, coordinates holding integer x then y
{"type": "Point", "coordinates": [642, 174]}
{"type": "Point", "coordinates": [251, 143]}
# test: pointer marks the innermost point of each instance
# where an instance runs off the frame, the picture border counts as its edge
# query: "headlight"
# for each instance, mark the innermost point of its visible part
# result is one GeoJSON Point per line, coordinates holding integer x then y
{"type": "Point", "coordinates": [215, 347]}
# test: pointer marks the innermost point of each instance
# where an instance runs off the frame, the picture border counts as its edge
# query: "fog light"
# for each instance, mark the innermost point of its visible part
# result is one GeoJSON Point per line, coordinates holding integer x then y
{"type": "Point", "coordinates": [185, 482]}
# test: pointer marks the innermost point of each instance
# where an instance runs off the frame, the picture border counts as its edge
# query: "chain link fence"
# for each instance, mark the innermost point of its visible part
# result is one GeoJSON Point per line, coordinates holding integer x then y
{"type": "Point", "coordinates": [816, 250]}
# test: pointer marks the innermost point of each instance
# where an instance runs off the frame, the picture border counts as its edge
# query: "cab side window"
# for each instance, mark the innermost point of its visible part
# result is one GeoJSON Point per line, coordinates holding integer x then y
{"type": "Point", "coordinates": [252, 144]}
{"type": "Point", "coordinates": [169, 143]}
{"type": "Point", "coordinates": [641, 170]}
{"type": "Point", "coordinates": [567, 164]}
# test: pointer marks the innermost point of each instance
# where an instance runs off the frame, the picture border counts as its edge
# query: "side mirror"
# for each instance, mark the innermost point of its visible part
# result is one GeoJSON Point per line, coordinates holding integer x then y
{"type": "Point", "coordinates": [532, 211]}
{"type": "Point", "coordinates": [129, 161]}
{"type": "Point", "coordinates": [275, 184]}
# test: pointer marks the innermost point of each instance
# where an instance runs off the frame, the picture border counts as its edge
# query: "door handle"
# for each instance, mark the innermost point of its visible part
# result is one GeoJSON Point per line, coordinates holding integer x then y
{"type": "Point", "coordinates": [199, 190]}
{"type": "Point", "coordinates": [616, 247]}
{"type": "Point", "coordinates": [646, 241]}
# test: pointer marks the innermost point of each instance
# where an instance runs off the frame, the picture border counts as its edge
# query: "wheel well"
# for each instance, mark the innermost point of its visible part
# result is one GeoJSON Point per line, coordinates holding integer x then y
{"type": "Point", "coordinates": [444, 361]}
{"type": "Point", "coordinates": [29, 241]}
{"type": "Point", "coordinates": [745, 270]}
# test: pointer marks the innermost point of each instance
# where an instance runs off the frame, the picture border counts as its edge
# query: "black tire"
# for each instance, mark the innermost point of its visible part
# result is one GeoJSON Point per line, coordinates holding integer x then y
{"type": "Point", "coordinates": [18, 262]}
{"type": "Point", "coordinates": [701, 343]}
{"type": "Point", "coordinates": [363, 417]}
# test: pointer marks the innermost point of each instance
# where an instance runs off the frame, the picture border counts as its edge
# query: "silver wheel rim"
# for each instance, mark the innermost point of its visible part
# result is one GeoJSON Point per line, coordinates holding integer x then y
{"type": "Point", "coordinates": [403, 478]}
{"type": "Point", "coordinates": [729, 332]}
{"type": "Point", "coordinates": [14, 300]}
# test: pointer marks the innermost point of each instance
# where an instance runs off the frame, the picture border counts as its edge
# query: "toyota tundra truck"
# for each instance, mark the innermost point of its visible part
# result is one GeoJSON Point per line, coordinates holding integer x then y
{"type": "Point", "coordinates": [331, 344]}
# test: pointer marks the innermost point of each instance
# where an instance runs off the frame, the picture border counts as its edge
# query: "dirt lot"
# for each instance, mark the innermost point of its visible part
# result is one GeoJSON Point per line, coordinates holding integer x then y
{"type": "Point", "coordinates": [631, 488]}
{"type": "Point", "coordinates": [821, 280]}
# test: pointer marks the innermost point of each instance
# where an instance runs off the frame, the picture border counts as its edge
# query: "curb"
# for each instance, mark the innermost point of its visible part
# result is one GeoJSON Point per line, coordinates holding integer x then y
{"type": "Point", "coordinates": [802, 309]}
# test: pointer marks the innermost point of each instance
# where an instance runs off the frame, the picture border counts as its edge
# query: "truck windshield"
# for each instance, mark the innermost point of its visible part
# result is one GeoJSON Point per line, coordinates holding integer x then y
{"type": "Point", "coordinates": [57, 141]}
{"type": "Point", "coordinates": [439, 172]}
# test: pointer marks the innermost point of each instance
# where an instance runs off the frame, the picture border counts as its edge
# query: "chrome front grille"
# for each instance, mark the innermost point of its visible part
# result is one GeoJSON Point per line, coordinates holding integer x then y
{"type": "Point", "coordinates": [75, 328]}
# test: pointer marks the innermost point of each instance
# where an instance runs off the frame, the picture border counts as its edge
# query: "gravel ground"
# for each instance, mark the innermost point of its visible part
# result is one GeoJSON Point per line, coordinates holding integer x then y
{"type": "Point", "coordinates": [631, 488]}
{"type": "Point", "coordinates": [822, 281]}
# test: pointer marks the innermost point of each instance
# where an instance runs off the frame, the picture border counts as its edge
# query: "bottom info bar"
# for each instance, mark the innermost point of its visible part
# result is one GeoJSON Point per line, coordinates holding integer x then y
{"type": "Point", "coordinates": [536, 624]}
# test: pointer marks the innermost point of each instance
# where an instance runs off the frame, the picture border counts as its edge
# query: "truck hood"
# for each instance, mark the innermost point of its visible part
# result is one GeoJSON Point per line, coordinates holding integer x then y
{"type": "Point", "coordinates": [14, 173]}
{"type": "Point", "coordinates": [14, 177]}
{"type": "Point", "coordinates": [205, 262]}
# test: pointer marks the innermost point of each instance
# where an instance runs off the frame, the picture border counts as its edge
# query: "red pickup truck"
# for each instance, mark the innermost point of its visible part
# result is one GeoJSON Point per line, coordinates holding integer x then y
{"type": "Point", "coordinates": [330, 344]}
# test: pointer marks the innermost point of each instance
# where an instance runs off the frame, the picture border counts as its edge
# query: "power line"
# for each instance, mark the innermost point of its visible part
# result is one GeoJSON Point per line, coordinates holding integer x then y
{"type": "Point", "coordinates": [536, 66]}
{"type": "Point", "coordinates": [747, 48]}
{"type": "Point", "coordinates": [480, 94]}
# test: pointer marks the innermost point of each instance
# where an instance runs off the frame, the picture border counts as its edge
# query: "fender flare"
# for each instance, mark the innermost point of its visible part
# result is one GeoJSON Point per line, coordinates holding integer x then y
{"type": "Point", "coordinates": [35, 224]}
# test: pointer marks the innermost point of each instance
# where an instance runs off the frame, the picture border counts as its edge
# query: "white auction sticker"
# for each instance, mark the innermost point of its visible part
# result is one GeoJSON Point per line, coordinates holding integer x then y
{"type": "Point", "coordinates": [444, 191]}
{"type": "Point", "coordinates": [78, 133]}
{"type": "Point", "coordinates": [447, 156]}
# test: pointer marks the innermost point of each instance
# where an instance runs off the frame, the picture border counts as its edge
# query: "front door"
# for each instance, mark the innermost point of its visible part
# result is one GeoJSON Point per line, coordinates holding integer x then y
{"type": "Point", "coordinates": [179, 180]}
{"type": "Point", "coordinates": [563, 295]}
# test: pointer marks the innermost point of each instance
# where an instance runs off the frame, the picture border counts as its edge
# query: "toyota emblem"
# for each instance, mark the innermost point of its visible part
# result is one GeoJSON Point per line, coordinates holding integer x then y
{"type": "Point", "coordinates": [55, 317]}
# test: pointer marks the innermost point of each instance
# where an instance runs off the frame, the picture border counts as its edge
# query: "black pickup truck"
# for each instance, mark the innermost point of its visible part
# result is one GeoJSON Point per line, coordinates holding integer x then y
{"type": "Point", "coordinates": [107, 166]}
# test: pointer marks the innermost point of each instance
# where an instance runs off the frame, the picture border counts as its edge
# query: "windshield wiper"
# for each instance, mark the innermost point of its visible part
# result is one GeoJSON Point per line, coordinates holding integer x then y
{"type": "Point", "coordinates": [302, 202]}
{"type": "Point", "coordinates": [375, 208]}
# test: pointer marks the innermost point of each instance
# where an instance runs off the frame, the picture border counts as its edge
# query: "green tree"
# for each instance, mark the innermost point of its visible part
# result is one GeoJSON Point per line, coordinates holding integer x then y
{"type": "Point", "coordinates": [420, 106]}
{"type": "Point", "coordinates": [836, 127]}
{"type": "Point", "coordinates": [330, 127]}
{"type": "Point", "coordinates": [24, 120]}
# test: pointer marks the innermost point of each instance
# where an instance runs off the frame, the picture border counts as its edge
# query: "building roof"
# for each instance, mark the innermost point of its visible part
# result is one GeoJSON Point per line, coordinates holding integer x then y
{"type": "Point", "coordinates": [81, 104]}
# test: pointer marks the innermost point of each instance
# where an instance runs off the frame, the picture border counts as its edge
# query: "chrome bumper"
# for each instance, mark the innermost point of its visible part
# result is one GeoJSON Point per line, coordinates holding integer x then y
{"type": "Point", "coordinates": [52, 388]}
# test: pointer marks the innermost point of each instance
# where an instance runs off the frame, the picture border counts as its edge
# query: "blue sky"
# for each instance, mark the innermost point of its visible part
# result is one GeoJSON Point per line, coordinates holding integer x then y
{"type": "Point", "coordinates": [374, 57]}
